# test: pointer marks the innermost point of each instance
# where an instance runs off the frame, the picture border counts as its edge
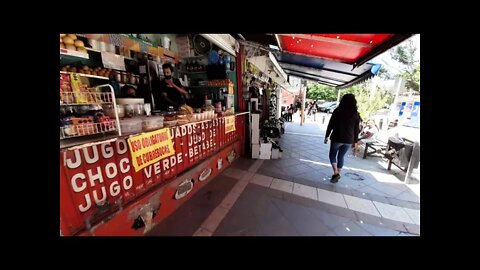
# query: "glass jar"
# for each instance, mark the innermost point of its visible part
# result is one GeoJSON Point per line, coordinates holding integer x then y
{"type": "Point", "coordinates": [138, 109]}
{"type": "Point", "coordinates": [147, 109]}
{"type": "Point", "coordinates": [129, 110]}
{"type": "Point", "coordinates": [118, 76]}
{"type": "Point", "coordinates": [125, 77]}
{"type": "Point", "coordinates": [132, 79]}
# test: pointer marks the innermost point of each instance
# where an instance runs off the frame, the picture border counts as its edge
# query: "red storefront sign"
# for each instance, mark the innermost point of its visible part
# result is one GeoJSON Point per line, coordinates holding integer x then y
{"type": "Point", "coordinates": [96, 180]}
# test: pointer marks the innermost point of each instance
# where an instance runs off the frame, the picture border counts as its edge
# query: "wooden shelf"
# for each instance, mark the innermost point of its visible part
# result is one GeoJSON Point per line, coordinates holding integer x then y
{"type": "Point", "coordinates": [86, 75]}
{"type": "Point", "coordinates": [207, 86]}
{"type": "Point", "coordinates": [97, 51]}
{"type": "Point", "coordinates": [73, 53]}
{"type": "Point", "coordinates": [195, 57]}
{"type": "Point", "coordinates": [192, 72]}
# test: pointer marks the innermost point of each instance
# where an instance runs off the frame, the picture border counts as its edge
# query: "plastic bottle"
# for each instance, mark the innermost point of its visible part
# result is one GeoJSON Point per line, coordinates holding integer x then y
{"type": "Point", "coordinates": [227, 62]}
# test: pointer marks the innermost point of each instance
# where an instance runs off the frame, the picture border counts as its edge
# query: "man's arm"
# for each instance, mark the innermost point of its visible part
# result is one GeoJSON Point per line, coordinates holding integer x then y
{"type": "Point", "coordinates": [178, 88]}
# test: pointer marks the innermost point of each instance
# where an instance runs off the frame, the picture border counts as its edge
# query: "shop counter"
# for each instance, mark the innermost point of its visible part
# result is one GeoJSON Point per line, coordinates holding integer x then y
{"type": "Point", "coordinates": [124, 185]}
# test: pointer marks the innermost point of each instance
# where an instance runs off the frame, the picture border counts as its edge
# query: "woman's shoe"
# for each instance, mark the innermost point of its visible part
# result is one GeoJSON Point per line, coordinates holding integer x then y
{"type": "Point", "coordinates": [335, 178]}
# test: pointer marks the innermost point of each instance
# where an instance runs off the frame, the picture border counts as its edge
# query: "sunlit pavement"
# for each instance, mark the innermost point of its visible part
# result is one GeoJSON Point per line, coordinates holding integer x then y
{"type": "Point", "coordinates": [292, 196]}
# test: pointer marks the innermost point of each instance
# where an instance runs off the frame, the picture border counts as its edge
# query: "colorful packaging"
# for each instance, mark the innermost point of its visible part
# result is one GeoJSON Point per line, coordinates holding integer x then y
{"type": "Point", "coordinates": [78, 89]}
{"type": "Point", "coordinates": [66, 95]}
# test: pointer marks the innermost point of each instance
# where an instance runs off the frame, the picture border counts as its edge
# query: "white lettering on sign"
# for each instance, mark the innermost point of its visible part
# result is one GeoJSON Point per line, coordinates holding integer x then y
{"type": "Point", "coordinates": [173, 161]}
{"type": "Point", "coordinates": [107, 150]}
{"type": "Point", "coordinates": [111, 177]}
{"type": "Point", "coordinates": [75, 186]}
{"type": "Point", "coordinates": [78, 160]}
{"type": "Point", "coordinates": [156, 166]}
{"type": "Point", "coordinates": [148, 171]}
{"type": "Point", "coordinates": [165, 164]}
{"type": "Point", "coordinates": [190, 140]}
{"type": "Point", "coordinates": [104, 196]}
{"type": "Point", "coordinates": [127, 182]}
{"type": "Point", "coordinates": [195, 150]}
{"type": "Point", "coordinates": [88, 202]}
{"type": "Point", "coordinates": [124, 168]}
{"type": "Point", "coordinates": [98, 176]}
{"type": "Point", "coordinates": [114, 188]}
{"type": "Point", "coordinates": [122, 147]}
{"type": "Point", "coordinates": [111, 170]}
{"type": "Point", "coordinates": [86, 154]}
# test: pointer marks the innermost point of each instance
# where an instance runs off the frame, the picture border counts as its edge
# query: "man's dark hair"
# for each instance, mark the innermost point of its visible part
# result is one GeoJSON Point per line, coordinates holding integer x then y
{"type": "Point", "coordinates": [168, 65]}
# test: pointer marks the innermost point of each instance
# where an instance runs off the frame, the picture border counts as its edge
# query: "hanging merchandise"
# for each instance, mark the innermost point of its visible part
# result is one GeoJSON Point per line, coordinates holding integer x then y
{"type": "Point", "coordinates": [227, 62]}
{"type": "Point", "coordinates": [272, 106]}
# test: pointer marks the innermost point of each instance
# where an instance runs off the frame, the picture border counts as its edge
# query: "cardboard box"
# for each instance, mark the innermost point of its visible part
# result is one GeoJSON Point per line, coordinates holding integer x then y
{"type": "Point", "coordinates": [264, 157]}
{"type": "Point", "coordinates": [265, 150]}
{"type": "Point", "coordinates": [276, 154]}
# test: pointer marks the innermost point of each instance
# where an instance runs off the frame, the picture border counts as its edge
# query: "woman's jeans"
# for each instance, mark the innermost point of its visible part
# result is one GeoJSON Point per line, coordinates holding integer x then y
{"type": "Point", "coordinates": [338, 148]}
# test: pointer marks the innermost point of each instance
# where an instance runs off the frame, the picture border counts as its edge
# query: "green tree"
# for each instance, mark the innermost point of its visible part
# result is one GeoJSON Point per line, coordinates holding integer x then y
{"type": "Point", "coordinates": [405, 55]}
{"type": "Point", "coordinates": [384, 73]}
{"type": "Point", "coordinates": [318, 91]}
{"type": "Point", "coordinates": [366, 104]}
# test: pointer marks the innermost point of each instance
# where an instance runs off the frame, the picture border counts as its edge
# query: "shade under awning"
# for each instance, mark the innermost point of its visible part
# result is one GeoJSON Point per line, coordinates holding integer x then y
{"type": "Point", "coordinates": [323, 71]}
{"type": "Point", "coordinates": [269, 66]}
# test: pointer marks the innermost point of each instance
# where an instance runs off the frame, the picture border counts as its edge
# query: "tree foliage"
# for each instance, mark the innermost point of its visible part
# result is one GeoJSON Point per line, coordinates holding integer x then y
{"type": "Point", "coordinates": [367, 105]}
{"type": "Point", "coordinates": [384, 73]}
{"type": "Point", "coordinates": [318, 91]}
{"type": "Point", "coordinates": [405, 55]}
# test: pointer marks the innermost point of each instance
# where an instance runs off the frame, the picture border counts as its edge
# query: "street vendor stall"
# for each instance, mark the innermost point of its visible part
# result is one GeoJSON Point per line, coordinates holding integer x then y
{"type": "Point", "coordinates": [124, 167]}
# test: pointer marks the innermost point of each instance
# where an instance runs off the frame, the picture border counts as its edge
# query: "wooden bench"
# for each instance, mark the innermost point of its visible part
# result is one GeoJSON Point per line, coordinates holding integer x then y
{"type": "Point", "coordinates": [375, 145]}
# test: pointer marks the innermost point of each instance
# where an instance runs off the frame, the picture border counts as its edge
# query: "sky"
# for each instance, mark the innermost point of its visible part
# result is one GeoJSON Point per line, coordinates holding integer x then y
{"type": "Point", "coordinates": [393, 66]}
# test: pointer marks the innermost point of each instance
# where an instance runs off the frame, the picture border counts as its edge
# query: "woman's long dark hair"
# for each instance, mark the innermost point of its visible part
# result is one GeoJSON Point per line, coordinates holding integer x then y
{"type": "Point", "coordinates": [348, 104]}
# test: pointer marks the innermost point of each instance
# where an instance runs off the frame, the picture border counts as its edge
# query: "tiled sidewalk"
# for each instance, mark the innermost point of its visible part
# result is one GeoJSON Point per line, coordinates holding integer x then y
{"type": "Point", "coordinates": [241, 203]}
{"type": "Point", "coordinates": [305, 161]}
{"type": "Point", "coordinates": [292, 196]}
{"type": "Point", "coordinates": [274, 207]}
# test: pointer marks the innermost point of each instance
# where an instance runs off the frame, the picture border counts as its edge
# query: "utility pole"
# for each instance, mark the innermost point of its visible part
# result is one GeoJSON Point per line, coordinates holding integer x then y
{"type": "Point", "coordinates": [303, 89]}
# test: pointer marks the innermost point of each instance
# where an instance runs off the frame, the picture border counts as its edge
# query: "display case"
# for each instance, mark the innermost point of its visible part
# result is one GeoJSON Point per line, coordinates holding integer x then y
{"type": "Point", "coordinates": [83, 113]}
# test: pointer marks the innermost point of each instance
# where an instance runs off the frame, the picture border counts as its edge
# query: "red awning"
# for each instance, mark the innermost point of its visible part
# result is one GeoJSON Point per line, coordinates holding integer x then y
{"type": "Point", "coordinates": [338, 60]}
{"type": "Point", "coordinates": [354, 49]}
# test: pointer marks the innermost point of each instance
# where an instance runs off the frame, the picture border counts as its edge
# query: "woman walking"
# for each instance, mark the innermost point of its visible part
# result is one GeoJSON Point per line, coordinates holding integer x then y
{"type": "Point", "coordinates": [344, 129]}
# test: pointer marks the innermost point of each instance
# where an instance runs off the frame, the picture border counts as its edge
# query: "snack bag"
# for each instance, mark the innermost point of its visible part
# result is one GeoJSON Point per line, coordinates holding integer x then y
{"type": "Point", "coordinates": [78, 88]}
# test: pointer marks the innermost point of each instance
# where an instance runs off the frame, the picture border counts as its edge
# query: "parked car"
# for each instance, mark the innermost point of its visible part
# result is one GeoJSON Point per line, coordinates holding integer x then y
{"type": "Point", "coordinates": [325, 106]}
{"type": "Point", "coordinates": [410, 130]}
{"type": "Point", "coordinates": [331, 108]}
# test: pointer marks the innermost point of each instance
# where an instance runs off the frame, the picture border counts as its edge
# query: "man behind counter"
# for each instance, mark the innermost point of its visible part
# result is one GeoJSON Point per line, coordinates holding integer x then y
{"type": "Point", "coordinates": [169, 91]}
